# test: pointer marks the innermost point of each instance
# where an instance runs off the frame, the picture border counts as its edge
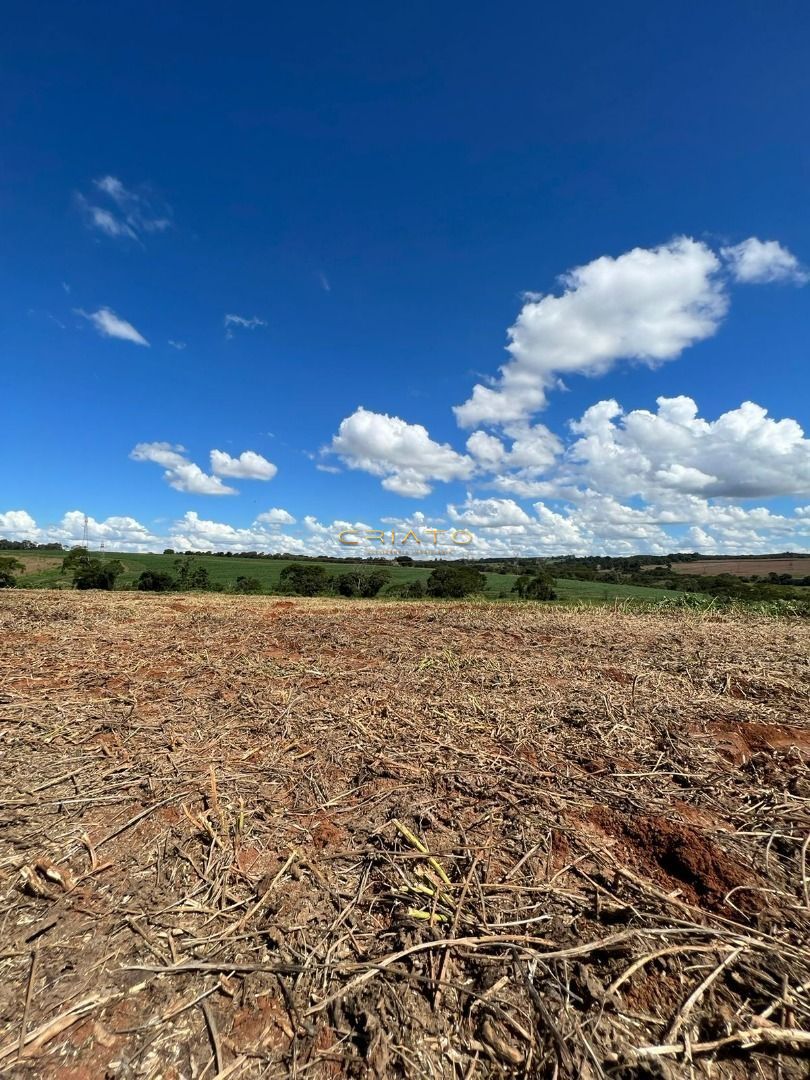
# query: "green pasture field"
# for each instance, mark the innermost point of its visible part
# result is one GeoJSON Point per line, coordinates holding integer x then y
{"type": "Point", "coordinates": [43, 571]}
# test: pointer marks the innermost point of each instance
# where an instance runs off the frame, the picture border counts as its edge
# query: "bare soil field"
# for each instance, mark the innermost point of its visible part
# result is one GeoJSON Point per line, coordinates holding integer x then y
{"type": "Point", "coordinates": [744, 567]}
{"type": "Point", "coordinates": [261, 838]}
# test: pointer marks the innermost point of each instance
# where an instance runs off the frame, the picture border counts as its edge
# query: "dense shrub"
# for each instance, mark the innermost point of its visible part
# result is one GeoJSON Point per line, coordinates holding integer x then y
{"type": "Point", "coordinates": [536, 586]}
{"type": "Point", "coordinates": [94, 574]}
{"type": "Point", "coordinates": [304, 579]}
{"type": "Point", "coordinates": [455, 581]}
{"type": "Point", "coordinates": [8, 569]}
{"type": "Point", "coordinates": [247, 585]}
{"type": "Point", "coordinates": [361, 583]}
{"type": "Point", "coordinates": [155, 581]}
{"type": "Point", "coordinates": [190, 575]}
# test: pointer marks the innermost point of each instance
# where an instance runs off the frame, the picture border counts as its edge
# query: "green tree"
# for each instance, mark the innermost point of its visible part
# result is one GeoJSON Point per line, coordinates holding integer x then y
{"type": "Point", "coordinates": [190, 574]}
{"type": "Point", "coordinates": [76, 557]}
{"type": "Point", "coordinates": [454, 582]}
{"type": "Point", "coordinates": [362, 583]}
{"type": "Point", "coordinates": [304, 579]}
{"type": "Point", "coordinates": [156, 581]}
{"type": "Point", "coordinates": [95, 574]}
{"type": "Point", "coordinates": [9, 566]}
{"type": "Point", "coordinates": [247, 585]}
{"type": "Point", "coordinates": [538, 585]}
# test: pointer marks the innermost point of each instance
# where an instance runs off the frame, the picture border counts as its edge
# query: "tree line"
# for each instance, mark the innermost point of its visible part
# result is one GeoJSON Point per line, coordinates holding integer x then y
{"type": "Point", "coordinates": [447, 580]}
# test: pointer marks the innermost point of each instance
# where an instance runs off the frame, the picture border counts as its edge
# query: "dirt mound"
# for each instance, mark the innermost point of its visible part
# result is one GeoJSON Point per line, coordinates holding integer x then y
{"type": "Point", "coordinates": [741, 741]}
{"type": "Point", "coordinates": [680, 857]}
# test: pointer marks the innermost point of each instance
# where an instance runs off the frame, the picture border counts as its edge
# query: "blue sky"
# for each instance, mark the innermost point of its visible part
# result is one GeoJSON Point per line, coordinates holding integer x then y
{"type": "Point", "coordinates": [375, 197]}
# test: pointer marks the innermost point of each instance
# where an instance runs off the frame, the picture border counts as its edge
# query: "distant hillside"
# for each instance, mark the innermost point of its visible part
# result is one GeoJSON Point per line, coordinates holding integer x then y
{"type": "Point", "coordinates": [797, 566]}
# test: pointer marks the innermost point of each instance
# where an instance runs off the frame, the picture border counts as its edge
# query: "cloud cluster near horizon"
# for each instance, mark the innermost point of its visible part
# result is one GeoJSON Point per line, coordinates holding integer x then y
{"type": "Point", "coordinates": [612, 480]}
{"type": "Point", "coordinates": [595, 524]}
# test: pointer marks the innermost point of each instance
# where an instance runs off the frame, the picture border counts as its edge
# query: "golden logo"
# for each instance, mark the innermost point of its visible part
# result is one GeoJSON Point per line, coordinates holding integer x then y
{"type": "Point", "coordinates": [460, 537]}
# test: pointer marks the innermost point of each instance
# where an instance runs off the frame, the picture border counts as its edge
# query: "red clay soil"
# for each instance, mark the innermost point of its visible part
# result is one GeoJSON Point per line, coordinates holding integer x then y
{"type": "Point", "coordinates": [242, 837]}
{"type": "Point", "coordinates": [682, 858]}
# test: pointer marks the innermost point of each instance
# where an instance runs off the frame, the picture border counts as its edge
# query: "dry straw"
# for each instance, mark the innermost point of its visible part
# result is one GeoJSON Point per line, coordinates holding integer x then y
{"type": "Point", "coordinates": [251, 837]}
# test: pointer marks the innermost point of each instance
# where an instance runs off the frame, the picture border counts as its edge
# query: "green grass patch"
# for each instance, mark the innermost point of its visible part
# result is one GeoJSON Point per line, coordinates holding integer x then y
{"type": "Point", "coordinates": [44, 572]}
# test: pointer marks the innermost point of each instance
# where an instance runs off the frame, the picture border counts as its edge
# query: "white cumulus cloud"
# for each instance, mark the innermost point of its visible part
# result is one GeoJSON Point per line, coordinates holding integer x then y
{"type": "Point", "coordinates": [120, 532]}
{"type": "Point", "coordinates": [744, 453]}
{"type": "Point", "coordinates": [492, 513]}
{"type": "Point", "coordinates": [248, 466]}
{"type": "Point", "coordinates": [18, 525]}
{"type": "Point", "coordinates": [180, 473]}
{"type": "Point", "coordinates": [116, 533]}
{"type": "Point", "coordinates": [193, 533]}
{"type": "Point", "coordinates": [276, 516]}
{"type": "Point", "coordinates": [403, 455]}
{"type": "Point", "coordinates": [648, 305]}
{"type": "Point", "coordinates": [761, 261]}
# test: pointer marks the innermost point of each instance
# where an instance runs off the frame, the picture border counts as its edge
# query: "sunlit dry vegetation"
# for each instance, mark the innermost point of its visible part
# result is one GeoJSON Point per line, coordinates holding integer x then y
{"type": "Point", "coordinates": [265, 837]}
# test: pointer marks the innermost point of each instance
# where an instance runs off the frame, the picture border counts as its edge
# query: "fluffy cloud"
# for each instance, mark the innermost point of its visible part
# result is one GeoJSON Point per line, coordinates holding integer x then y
{"type": "Point", "coordinates": [415, 520]}
{"type": "Point", "coordinates": [523, 487]}
{"type": "Point", "coordinates": [759, 261]}
{"type": "Point", "coordinates": [193, 533]}
{"type": "Point", "coordinates": [408, 483]}
{"type": "Point", "coordinates": [402, 454]}
{"type": "Point", "coordinates": [128, 214]}
{"type": "Point", "coordinates": [492, 513]}
{"type": "Point", "coordinates": [596, 523]}
{"type": "Point", "coordinates": [117, 533]}
{"type": "Point", "coordinates": [534, 449]}
{"type": "Point", "coordinates": [108, 324]}
{"type": "Point", "coordinates": [672, 462]}
{"type": "Point", "coordinates": [744, 453]}
{"type": "Point", "coordinates": [181, 474]}
{"type": "Point", "coordinates": [601, 524]}
{"type": "Point", "coordinates": [648, 304]}
{"type": "Point", "coordinates": [488, 450]}
{"type": "Point", "coordinates": [248, 466]}
{"type": "Point", "coordinates": [18, 525]}
{"type": "Point", "coordinates": [636, 481]}
{"type": "Point", "coordinates": [276, 516]}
